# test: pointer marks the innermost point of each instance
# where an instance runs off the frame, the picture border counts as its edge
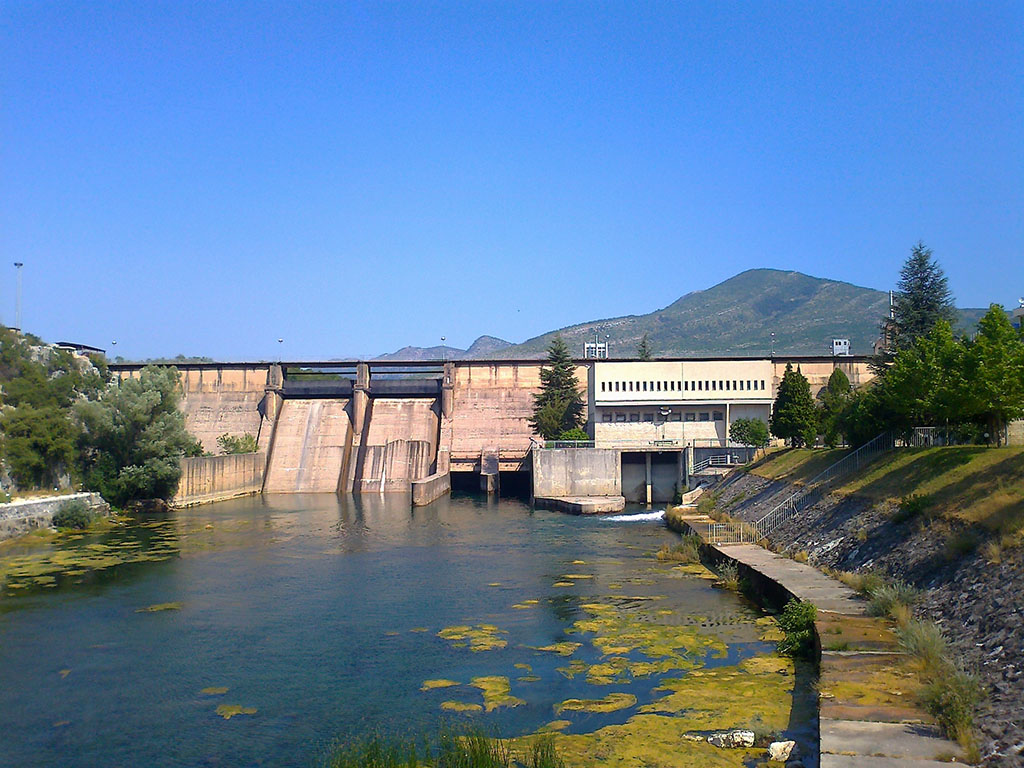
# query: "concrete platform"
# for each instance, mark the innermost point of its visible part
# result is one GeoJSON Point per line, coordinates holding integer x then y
{"type": "Point", "coordinates": [918, 742]}
{"type": "Point", "coordinates": [582, 505]}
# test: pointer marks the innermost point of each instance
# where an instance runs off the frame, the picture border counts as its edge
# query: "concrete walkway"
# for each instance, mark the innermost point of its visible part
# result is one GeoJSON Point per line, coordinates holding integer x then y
{"type": "Point", "coordinates": [868, 714]}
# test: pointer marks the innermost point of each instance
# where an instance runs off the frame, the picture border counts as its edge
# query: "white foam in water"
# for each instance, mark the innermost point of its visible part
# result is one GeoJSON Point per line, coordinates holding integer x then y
{"type": "Point", "coordinates": [637, 518]}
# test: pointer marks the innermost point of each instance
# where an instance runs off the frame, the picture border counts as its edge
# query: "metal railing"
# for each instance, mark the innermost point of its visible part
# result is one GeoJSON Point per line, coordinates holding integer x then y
{"type": "Point", "coordinates": [621, 444]}
{"type": "Point", "coordinates": [785, 510]}
{"type": "Point", "coordinates": [723, 460]}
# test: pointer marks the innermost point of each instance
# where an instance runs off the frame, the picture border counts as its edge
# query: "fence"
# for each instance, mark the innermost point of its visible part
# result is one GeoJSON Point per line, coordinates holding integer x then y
{"type": "Point", "coordinates": [741, 533]}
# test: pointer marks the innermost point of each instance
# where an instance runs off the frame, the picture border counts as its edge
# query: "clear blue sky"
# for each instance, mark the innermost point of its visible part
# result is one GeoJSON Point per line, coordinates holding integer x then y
{"type": "Point", "coordinates": [203, 178]}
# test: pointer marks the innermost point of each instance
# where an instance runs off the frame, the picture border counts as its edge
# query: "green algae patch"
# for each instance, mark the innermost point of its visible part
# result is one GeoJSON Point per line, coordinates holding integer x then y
{"type": "Point", "coordinates": [756, 694]}
{"type": "Point", "coordinates": [576, 667]}
{"type": "Point", "coordinates": [554, 726]}
{"type": "Point", "coordinates": [497, 692]}
{"type": "Point", "coordinates": [770, 631]}
{"type": "Point", "coordinates": [64, 673]}
{"type": "Point", "coordinates": [564, 584]}
{"type": "Point", "coordinates": [627, 626]}
{"type": "Point", "coordinates": [695, 569]}
{"type": "Point", "coordinates": [460, 706]}
{"type": "Point", "coordinates": [613, 702]}
{"type": "Point", "coordinates": [525, 667]}
{"type": "Point", "coordinates": [214, 690]}
{"type": "Point", "coordinates": [576, 576]}
{"type": "Point", "coordinates": [227, 711]}
{"type": "Point", "coordinates": [578, 562]}
{"type": "Point", "coordinates": [652, 741]}
{"type": "Point", "coordinates": [430, 685]}
{"type": "Point", "coordinates": [482, 637]}
{"type": "Point", "coordinates": [158, 607]}
{"type": "Point", "coordinates": [528, 679]}
{"type": "Point", "coordinates": [494, 584]}
{"type": "Point", "coordinates": [419, 629]}
{"type": "Point", "coordinates": [564, 648]}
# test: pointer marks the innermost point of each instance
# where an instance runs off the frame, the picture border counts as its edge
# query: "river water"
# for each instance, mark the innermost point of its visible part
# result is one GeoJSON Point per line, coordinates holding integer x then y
{"type": "Point", "coordinates": [321, 617]}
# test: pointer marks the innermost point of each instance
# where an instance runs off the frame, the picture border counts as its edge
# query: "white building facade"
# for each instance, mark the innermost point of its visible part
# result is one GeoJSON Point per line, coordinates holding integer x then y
{"type": "Point", "coordinates": [678, 400]}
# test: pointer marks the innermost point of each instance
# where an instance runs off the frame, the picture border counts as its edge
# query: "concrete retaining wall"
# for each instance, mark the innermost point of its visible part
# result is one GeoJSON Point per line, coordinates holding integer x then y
{"type": "Point", "coordinates": [215, 478]}
{"type": "Point", "coordinates": [18, 517]}
{"type": "Point", "coordinates": [1015, 432]}
{"type": "Point", "coordinates": [430, 488]}
{"type": "Point", "coordinates": [577, 472]}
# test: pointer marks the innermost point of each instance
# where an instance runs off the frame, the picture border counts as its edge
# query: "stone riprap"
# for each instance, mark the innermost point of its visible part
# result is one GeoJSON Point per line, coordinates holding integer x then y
{"type": "Point", "coordinates": [23, 515]}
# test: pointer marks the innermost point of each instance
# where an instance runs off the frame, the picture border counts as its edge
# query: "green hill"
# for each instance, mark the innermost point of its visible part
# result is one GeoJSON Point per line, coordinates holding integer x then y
{"type": "Point", "coordinates": [738, 316]}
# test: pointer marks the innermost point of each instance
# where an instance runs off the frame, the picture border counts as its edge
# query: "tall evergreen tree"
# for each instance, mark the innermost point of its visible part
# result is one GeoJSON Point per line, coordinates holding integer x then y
{"type": "Point", "coordinates": [922, 299]}
{"type": "Point", "coordinates": [794, 416]}
{"type": "Point", "coordinates": [833, 400]}
{"type": "Point", "coordinates": [558, 407]}
{"type": "Point", "coordinates": [995, 370]}
{"type": "Point", "coordinates": [643, 351]}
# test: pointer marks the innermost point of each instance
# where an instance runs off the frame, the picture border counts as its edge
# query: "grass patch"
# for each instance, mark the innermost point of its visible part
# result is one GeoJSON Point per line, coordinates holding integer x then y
{"type": "Point", "coordinates": [729, 576]}
{"type": "Point", "coordinates": [707, 503]}
{"type": "Point", "coordinates": [686, 551]}
{"type": "Point", "coordinates": [797, 465]}
{"type": "Point", "coordinates": [451, 748]}
{"type": "Point", "coordinates": [911, 506]}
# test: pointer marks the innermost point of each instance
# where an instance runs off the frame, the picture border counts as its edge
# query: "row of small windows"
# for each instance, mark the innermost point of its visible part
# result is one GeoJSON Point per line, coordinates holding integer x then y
{"type": "Point", "coordinates": [705, 385]}
{"type": "Point", "coordinates": [649, 417]}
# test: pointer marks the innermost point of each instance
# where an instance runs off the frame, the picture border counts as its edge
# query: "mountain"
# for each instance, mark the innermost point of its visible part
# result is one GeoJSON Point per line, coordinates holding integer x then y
{"type": "Point", "coordinates": [483, 347]}
{"type": "Point", "coordinates": [737, 317]}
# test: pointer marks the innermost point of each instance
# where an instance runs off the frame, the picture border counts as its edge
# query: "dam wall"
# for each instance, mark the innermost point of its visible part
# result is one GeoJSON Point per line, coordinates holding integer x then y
{"type": "Point", "coordinates": [216, 478]}
{"type": "Point", "coordinates": [309, 446]}
{"type": "Point", "coordinates": [492, 403]}
{"type": "Point", "coordinates": [577, 472]}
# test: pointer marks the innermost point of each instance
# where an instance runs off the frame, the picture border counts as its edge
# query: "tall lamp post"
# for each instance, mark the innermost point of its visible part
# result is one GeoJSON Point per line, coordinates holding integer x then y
{"type": "Point", "coordinates": [17, 311]}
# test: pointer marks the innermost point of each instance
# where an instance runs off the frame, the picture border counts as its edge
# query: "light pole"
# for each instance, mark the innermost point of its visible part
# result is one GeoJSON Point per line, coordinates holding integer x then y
{"type": "Point", "coordinates": [773, 344]}
{"type": "Point", "coordinates": [279, 343]}
{"type": "Point", "coordinates": [444, 352]}
{"type": "Point", "coordinates": [17, 311]}
{"type": "Point", "coordinates": [664, 412]}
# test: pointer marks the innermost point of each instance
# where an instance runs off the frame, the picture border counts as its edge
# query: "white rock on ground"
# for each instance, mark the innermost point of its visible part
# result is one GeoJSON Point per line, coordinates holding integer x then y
{"type": "Point", "coordinates": [781, 750]}
{"type": "Point", "coordinates": [732, 739]}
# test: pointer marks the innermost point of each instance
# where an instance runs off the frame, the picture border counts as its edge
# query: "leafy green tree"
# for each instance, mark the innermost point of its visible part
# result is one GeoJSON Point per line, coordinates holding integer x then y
{"type": "Point", "coordinates": [558, 406]}
{"type": "Point", "coordinates": [38, 445]}
{"type": "Point", "coordinates": [237, 443]}
{"type": "Point", "coordinates": [643, 350]}
{"type": "Point", "coordinates": [794, 416]}
{"type": "Point", "coordinates": [833, 398]}
{"type": "Point", "coordinates": [994, 368]}
{"type": "Point", "coordinates": [133, 438]}
{"type": "Point", "coordinates": [922, 299]}
{"type": "Point", "coordinates": [751, 432]}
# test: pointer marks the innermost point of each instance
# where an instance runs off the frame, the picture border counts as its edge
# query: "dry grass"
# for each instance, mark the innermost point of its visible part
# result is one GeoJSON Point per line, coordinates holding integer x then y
{"type": "Point", "coordinates": [796, 465]}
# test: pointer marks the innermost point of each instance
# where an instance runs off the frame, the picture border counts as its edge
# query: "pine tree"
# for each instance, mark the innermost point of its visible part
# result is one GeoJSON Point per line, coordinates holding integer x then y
{"type": "Point", "coordinates": [995, 372]}
{"type": "Point", "coordinates": [558, 407]}
{"type": "Point", "coordinates": [833, 400]}
{"type": "Point", "coordinates": [922, 299]}
{"type": "Point", "coordinates": [794, 417]}
{"type": "Point", "coordinates": [643, 351]}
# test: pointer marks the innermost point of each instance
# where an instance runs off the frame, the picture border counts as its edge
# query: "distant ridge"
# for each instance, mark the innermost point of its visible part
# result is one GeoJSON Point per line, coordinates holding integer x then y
{"type": "Point", "coordinates": [738, 316]}
{"type": "Point", "coordinates": [734, 318]}
{"type": "Point", "coordinates": [485, 346]}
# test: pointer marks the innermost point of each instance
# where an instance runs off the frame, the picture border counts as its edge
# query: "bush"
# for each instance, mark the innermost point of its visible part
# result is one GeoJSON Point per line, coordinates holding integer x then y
{"type": "Point", "coordinates": [468, 748]}
{"type": "Point", "coordinates": [237, 443]}
{"type": "Point", "coordinates": [574, 434]}
{"type": "Point", "coordinates": [686, 551]}
{"type": "Point", "coordinates": [924, 641]}
{"type": "Point", "coordinates": [951, 698]}
{"type": "Point", "coordinates": [797, 621]}
{"type": "Point", "coordinates": [911, 506]}
{"type": "Point", "coordinates": [729, 576]}
{"type": "Point", "coordinates": [73, 514]}
{"type": "Point", "coordinates": [892, 599]}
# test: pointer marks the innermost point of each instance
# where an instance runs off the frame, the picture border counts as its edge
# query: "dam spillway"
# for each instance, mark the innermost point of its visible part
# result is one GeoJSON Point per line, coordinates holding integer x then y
{"type": "Point", "coordinates": [309, 445]}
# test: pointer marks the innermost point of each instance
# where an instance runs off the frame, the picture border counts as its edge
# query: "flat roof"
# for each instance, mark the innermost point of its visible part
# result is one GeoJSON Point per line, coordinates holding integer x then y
{"type": "Point", "coordinates": [127, 366]}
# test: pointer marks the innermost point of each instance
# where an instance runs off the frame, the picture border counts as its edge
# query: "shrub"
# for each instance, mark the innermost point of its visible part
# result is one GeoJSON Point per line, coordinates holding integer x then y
{"type": "Point", "coordinates": [924, 640]}
{"type": "Point", "coordinates": [887, 599]}
{"type": "Point", "coordinates": [73, 514]}
{"type": "Point", "coordinates": [575, 433]}
{"type": "Point", "coordinates": [960, 544]}
{"type": "Point", "coordinates": [468, 748]}
{"type": "Point", "coordinates": [862, 583]}
{"type": "Point", "coordinates": [706, 503]}
{"type": "Point", "coordinates": [729, 575]}
{"type": "Point", "coordinates": [686, 551]}
{"type": "Point", "coordinates": [951, 698]}
{"type": "Point", "coordinates": [797, 621]}
{"type": "Point", "coordinates": [911, 506]}
{"type": "Point", "coordinates": [237, 443]}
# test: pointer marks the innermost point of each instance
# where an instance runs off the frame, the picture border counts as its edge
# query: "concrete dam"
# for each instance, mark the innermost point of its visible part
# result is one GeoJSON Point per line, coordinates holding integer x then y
{"type": "Point", "coordinates": [388, 426]}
